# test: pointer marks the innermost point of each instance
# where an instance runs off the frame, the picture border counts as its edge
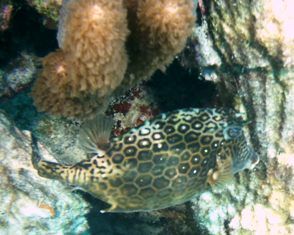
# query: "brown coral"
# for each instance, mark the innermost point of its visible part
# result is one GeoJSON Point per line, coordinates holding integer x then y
{"type": "Point", "coordinates": [59, 103]}
{"type": "Point", "coordinates": [95, 36]}
{"type": "Point", "coordinates": [91, 65]}
{"type": "Point", "coordinates": [160, 32]}
{"type": "Point", "coordinates": [92, 61]}
{"type": "Point", "coordinates": [54, 74]}
{"type": "Point", "coordinates": [52, 91]}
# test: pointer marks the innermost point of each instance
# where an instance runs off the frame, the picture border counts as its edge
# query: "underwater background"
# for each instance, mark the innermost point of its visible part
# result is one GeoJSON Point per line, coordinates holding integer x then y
{"type": "Point", "coordinates": [220, 53]}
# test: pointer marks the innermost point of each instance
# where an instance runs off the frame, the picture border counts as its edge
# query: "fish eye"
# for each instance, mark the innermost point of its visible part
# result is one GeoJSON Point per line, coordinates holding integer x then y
{"type": "Point", "coordinates": [232, 132]}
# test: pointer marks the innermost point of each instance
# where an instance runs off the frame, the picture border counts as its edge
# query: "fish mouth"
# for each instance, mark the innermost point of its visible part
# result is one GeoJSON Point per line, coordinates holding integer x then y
{"type": "Point", "coordinates": [255, 160]}
{"type": "Point", "coordinates": [251, 160]}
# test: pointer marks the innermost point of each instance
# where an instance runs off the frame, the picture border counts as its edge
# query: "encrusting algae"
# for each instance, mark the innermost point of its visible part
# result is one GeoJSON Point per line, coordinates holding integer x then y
{"type": "Point", "coordinates": [163, 162]}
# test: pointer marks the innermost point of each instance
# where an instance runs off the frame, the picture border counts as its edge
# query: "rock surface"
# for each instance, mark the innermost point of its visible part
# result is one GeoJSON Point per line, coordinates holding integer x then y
{"type": "Point", "coordinates": [31, 204]}
{"type": "Point", "coordinates": [48, 8]}
{"type": "Point", "coordinates": [249, 54]}
{"type": "Point", "coordinates": [17, 75]}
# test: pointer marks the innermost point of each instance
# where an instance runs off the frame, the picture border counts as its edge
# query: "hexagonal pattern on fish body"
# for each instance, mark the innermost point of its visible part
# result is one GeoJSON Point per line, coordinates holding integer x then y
{"type": "Point", "coordinates": [163, 162]}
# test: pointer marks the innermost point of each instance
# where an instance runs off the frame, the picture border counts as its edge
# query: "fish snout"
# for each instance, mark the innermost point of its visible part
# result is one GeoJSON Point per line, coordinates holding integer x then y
{"type": "Point", "coordinates": [254, 158]}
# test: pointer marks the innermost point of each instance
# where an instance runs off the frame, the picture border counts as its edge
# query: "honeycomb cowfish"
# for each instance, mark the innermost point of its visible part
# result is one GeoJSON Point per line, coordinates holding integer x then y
{"type": "Point", "coordinates": [163, 162]}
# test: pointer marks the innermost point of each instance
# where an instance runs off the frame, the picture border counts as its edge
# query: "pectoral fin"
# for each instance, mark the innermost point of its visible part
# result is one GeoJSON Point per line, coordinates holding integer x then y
{"type": "Point", "coordinates": [223, 172]}
{"type": "Point", "coordinates": [95, 134]}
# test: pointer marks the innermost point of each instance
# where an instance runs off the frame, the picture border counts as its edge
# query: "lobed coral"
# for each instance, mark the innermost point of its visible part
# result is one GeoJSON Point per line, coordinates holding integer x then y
{"type": "Point", "coordinates": [53, 89]}
{"type": "Point", "coordinates": [159, 32]}
{"type": "Point", "coordinates": [94, 39]}
{"type": "Point", "coordinates": [74, 76]}
{"type": "Point", "coordinates": [98, 58]}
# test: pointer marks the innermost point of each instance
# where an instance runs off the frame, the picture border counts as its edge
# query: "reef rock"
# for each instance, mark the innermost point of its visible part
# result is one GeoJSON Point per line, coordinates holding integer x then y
{"type": "Point", "coordinates": [29, 203]}
{"type": "Point", "coordinates": [48, 8]}
{"type": "Point", "coordinates": [249, 55]}
{"type": "Point", "coordinates": [17, 75]}
{"type": "Point", "coordinates": [6, 9]}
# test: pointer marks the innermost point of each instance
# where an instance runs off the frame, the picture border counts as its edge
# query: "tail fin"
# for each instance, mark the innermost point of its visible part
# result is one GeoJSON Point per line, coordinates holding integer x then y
{"type": "Point", "coordinates": [35, 152]}
{"type": "Point", "coordinates": [46, 169]}
{"type": "Point", "coordinates": [52, 170]}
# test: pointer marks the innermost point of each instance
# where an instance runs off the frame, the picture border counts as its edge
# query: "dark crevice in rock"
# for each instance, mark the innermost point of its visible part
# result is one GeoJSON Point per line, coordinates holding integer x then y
{"type": "Point", "coordinates": [21, 110]}
{"type": "Point", "coordinates": [144, 223]}
{"type": "Point", "coordinates": [178, 88]}
{"type": "Point", "coordinates": [26, 33]}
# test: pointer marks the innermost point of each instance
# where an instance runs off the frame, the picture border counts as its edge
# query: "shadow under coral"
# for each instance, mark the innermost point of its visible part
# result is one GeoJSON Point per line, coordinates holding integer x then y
{"type": "Point", "coordinates": [179, 88]}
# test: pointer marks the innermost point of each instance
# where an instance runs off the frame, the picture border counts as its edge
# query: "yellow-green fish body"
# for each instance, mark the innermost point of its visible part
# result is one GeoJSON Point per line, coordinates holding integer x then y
{"type": "Point", "coordinates": [164, 162]}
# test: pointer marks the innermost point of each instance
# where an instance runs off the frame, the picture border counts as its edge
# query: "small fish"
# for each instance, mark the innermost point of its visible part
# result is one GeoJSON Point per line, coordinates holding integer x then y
{"type": "Point", "coordinates": [164, 162]}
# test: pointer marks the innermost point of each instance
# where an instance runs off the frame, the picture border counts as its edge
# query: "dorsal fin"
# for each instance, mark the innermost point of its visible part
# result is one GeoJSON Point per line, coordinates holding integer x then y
{"type": "Point", "coordinates": [95, 134]}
